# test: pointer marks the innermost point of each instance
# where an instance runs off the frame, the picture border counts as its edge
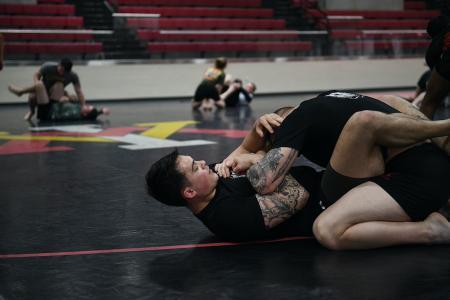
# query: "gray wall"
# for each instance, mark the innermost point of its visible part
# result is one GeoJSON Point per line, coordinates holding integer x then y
{"type": "Point", "coordinates": [361, 4]}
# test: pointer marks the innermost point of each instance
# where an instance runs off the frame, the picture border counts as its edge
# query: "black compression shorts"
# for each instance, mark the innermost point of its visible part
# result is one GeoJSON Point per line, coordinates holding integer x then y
{"type": "Point", "coordinates": [418, 179]}
{"type": "Point", "coordinates": [206, 90]}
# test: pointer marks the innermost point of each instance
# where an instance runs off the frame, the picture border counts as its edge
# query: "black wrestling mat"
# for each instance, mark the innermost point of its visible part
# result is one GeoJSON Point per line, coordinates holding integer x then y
{"type": "Point", "coordinates": [76, 222]}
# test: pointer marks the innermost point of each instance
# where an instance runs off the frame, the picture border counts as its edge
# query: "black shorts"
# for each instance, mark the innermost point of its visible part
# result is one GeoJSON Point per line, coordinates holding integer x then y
{"type": "Point", "coordinates": [206, 90]}
{"type": "Point", "coordinates": [418, 179]}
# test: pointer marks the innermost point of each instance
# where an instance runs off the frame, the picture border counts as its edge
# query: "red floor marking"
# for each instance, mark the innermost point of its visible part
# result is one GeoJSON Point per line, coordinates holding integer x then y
{"type": "Point", "coordinates": [22, 147]}
{"type": "Point", "coordinates": [224, 132]}
{"type": "Point", "coordinates": [147, 249]}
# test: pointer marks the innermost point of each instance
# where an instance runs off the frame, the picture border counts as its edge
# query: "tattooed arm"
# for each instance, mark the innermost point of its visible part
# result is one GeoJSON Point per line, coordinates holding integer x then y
{"type": "Point", "coordinates": [284, 203]}
{"type": "Point", "coordinates": [269, 172]}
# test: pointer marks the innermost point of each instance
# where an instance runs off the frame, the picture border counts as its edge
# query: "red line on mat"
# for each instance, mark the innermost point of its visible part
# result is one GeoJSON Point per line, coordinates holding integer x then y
{"type": "Point", "coordinates": [147, 249]}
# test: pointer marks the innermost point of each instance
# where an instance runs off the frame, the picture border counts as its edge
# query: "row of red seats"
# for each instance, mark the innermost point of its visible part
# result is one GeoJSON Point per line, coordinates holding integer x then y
{"type": "Point", "coordinates": [154, 35]}
{"type": "Point", "coordinates": [230, 47]}
{"type": "Point", "coordinates": [380, 14]}
{"type": "Point", "coordinates": [377, 34]}
{"type": "Point", "coordinates": [53, 48]}
{"type": "Point", "coordinates": [414, 5]}
{"type": "Point", "coordinates": [37, 36]}
{"type": "Point", "coordinates": [39, 9]}
{"type": "Point", "coordinates": [386, 45]}
{"type": "Point", "coordinates": [40, 22]}
{"type": "Point", "coordinates": [376, 24]}
{"type": "Point", "coordinates": [407, 5]}
{"type": "Point", "coordinates": [187, 23]}
{"type": "Point", "coordinates": [228, 3]}
{"type": "Point", "coordinates": [199, 11]}
{"type": "Point", "coordinates": [51, 1]}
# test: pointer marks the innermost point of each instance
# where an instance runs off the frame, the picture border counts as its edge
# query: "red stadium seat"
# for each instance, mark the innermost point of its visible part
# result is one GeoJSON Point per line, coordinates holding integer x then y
{"type": "Point", "coordinates": [195, 12]}
{"type": "Point", "coordinates": [53, 48]}
{"type": "Point", "coordinates": [41, 9]}
{"type": "Point", "coordinates": [229, 47]}
{"type": "Point", "coordinates": [223, 3]}
{"type": "Point", "coordinates": [40, 22]}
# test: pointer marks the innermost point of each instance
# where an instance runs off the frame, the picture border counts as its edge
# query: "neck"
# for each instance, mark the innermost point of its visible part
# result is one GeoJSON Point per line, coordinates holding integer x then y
{"type": "Point", "coordinates": [198, 205]}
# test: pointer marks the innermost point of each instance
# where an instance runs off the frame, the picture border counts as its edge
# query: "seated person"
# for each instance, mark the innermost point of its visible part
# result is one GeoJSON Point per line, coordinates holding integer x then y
{"type": "Point", "coordinates": [242, 95]}
{"type": "Point", "coordinates": [49, 85]}
{"type": "Point", "coordinates": [233, 210]}
{"type": "Point", "coordinates": [209, 92]}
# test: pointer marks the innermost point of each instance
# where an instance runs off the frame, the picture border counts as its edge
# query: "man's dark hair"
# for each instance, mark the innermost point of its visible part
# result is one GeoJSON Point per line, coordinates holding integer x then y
{"type": "Point", "coordinates": [165, 181]}
{"type": "Point", "coordinates": [67, 64]}
{"type": "Point", "coordinates": [92, 115]}
{"type": "Point", "coordinates": [221, 63]}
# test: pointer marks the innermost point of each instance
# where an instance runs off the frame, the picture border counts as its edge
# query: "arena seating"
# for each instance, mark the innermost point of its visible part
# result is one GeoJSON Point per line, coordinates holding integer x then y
{"type": "Point", "coordinates": [47, 28]}
{"type": "Point", "coordinates": [195, 12]}
{"type": "Point", "coordinates": [379, 31]}
{"type": "Point", "coordinates": [209, 3]}
{"type": "Point", "coordinates": [200, 26]}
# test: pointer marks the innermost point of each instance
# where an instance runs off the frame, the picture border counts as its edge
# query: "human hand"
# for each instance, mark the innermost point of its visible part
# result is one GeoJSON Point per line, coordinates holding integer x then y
{"type": "Point", "coordinates": [267, 122]}
{"type": "Point", "coordinates": [224, 168]}
{"type": "Point", "coordinates": [242, 162]}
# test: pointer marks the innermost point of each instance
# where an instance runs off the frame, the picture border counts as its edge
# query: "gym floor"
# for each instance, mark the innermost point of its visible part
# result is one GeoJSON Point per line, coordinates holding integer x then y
{"type": "Point", "coordinates": [76, 222]}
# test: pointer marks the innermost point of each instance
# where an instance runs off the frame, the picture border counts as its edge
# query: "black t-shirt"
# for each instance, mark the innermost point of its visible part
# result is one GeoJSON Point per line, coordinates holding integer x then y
{"type": "Point", "coordinates": [314, 127]}
{"type": "Point", "coordinates": [50, 76]}
{"type": "Point", "coordinates": [234, 213]}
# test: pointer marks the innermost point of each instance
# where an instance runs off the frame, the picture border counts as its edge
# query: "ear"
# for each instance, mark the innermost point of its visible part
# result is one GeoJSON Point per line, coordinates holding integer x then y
{"type": "Point", "coordinates": [189, 193]}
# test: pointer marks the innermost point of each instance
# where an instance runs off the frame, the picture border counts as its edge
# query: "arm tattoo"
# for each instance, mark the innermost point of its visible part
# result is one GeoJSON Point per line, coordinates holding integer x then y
{"type": "Point", "coordinates": [283, 204]}
{"type": "Point", "coordinates": [271, 168]}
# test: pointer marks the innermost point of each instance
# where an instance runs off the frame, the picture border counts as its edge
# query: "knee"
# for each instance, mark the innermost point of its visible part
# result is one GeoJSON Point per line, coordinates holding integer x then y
{"type": "Point", "coordinates": [325, 232]}
{"type": "Point", "coordinates": [364, 121]}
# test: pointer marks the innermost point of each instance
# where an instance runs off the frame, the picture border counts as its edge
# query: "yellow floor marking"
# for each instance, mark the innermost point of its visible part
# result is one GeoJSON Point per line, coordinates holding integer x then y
{"type": "Point", "coordinates": [163, 130]}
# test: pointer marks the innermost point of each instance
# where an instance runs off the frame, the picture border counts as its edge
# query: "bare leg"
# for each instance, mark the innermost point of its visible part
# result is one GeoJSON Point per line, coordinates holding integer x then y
{"type": "Point", "coordinates": [437, 89]}
{"type": "Point", "coordinates": [32, 105]}
{"type": "Point", "coordinates": [364, 131]}
{"type": "Point", "coordinates": [367, 217]}
{"type": "Point", "coordinates": [18, 91]}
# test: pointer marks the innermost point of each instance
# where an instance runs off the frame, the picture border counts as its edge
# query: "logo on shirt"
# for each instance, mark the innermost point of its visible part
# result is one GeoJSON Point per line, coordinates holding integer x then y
{"type": "Point", "coordinates": [343, 95]}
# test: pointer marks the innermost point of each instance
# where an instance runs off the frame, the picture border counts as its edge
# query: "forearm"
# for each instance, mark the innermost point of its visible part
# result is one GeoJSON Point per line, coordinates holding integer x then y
{"type": "Point", "coordinates": [279, 206]}
{"type": "Point", "coordinates": [81, 97]}
{"type": "Point", "coordinates": [266, 175]}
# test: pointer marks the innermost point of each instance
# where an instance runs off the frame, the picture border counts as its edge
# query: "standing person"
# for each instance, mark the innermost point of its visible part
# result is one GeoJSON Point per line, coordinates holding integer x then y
{"type": "Point", "coordinates": [49, 85]}
{"type": "Point", "coordinates": [438, 59]}
{"type": "Point", "coordinates": [209, 91]}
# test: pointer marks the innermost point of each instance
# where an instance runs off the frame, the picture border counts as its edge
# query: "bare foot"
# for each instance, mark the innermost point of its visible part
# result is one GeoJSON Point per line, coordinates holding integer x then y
{"type": "Point", "coordinates": [15, 90]}
{"type": "Point", "coordinates": [440, 228]}
{"type": "Point", "coordinates": [28, 116]}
